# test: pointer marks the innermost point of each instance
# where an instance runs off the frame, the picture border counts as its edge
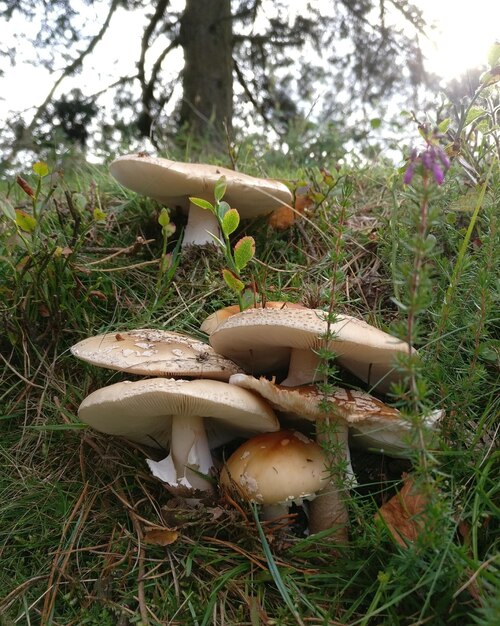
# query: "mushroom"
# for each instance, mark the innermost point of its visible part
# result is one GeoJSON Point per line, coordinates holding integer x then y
{"type": "Point", "coordinates": [343, 408]}
{"type": "Point", "coordinates": [182, 413]}
{"type": "Point", "coordinates": [214, 319]}
{"type": "Point", "coordinates": [267, 340]}
{"type": "Point", "coordinates": [275, 470]}
{"type": "Point", "coordinates": [155, 353]}
{"type": "Point", "coordinates": [174, 183]}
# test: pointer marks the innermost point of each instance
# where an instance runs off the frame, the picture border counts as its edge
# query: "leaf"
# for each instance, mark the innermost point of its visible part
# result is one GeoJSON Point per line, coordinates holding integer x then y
{"type": "Point", "coordinates": [244, 251]}
{"type": "Point", "coordinates": [99, 215]}
{"type": "Point", "coordinates": [230, 221]}
{"type": "Point", "coordinates": [232, 281]}
{"type": "Point", "coordinates": [444, 125]}
{"type": "Point", "coordinates": [222, 209]}
{"type": "Point", "coordinates": [25, 186]}
{"type": "Point", "coordinates": [473, 114]}
{"type": "Point", "coordinates": [164, 218]}
{"type": "Point", "coordinates": [376, 122]}
{"type": "Point", "coordinates": [8, 210]}
{"type": "Point", "coordinates": [220, 189]}
{"type": "Point", "coordinates": [203, 204]}
{"type": "Point", "coordinates": [161, 536]}
{"type": "Point", "coordinates": [494, 54]}
{"type": "Point", "coordinates": [25, 221]}
{"type": "Point", "coordinates": [403, 513]}
{"type": "Point", "coordinates": [41, 168]}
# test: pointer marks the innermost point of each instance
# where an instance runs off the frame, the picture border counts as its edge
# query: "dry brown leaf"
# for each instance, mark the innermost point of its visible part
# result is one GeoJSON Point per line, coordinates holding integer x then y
{"type": "Point", "coordinates": [402, 514]}
{"type": "Point", "coordinates": [161, 536]}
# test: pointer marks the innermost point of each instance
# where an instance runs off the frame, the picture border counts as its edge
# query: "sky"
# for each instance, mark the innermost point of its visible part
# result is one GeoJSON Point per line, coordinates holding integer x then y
{"type": "Point", "coordinates": [464, 32]}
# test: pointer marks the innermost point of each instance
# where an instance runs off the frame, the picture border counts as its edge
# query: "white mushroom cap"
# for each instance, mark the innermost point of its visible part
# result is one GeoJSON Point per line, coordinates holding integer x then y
{"type": "Point", "coordinates": [173, 183]}
{"type": "Point", "coordinates": [155, 353]}
{"type": "Point", "coordinates": [266, 340]}
{"type": "Point", "coordinates": [142, 410]}
{"type": "Point", "coordinates": [276, 468]}
{"type": "Point", "coordinates": [214, 319]}
{"type": "Point", "coordinates": [158, 411]}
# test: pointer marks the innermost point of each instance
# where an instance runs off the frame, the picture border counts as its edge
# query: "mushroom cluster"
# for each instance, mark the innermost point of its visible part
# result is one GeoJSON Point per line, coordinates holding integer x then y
{"type": "Point", "coordinates": [285, 342]}
{"type": "Point", "coordinates": [188, 417]}
{"type": "Point", "coordinates": [196, 396]}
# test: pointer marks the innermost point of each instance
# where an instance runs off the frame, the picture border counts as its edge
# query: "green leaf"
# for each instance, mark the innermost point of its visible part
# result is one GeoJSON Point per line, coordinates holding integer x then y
{"type": "Point", "coordinates": [230, 222]}
{"type": "Point", "coordinates": [99, 215]}
{"type": "Point", "coordinates": [244, 251]}
{"type": "Point", "coordinates": [376, 122]}
{"type": "Point", "coordinates": [203, 204]}
{"type": "Point", "coordinates": [444, 125]}
{"type": "Point", "coordinates": [41, 168]}
{"type": "Point", "coordinates": [490, 77]}
{"type": "Point", "coordinates": [220, 189]}
{"type": "Point", "coordinates": [222, 208]}
{"type": "Point", "coordinates": [164, 218]}
{"type": "Point", "coordinates": [8, 210]}
{"type": "Point", "coordinates": [232, 281]}
{"type": "Point", "coordinates": [473, 114]}
{"type": "Point", "coordinates": [25, 221]}
{"type": "Point", "coordinates": [494, 54]}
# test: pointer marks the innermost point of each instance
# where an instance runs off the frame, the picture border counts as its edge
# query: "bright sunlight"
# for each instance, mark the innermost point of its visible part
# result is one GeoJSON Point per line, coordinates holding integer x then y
{"type": "Point", "coordinates": [463, 36]}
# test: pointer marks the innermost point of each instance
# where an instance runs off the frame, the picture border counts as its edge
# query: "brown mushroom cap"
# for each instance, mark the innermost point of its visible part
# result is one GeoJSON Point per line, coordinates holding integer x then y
{"type": "Point", "coordinates": [278, 467]}
{"type": "Point", "coordinates": [262, 340]}
{"type": "Point", "coordinates": [173, 183]}
{"type": "Point", "coordinates": [155, 353]}
{"type": "Point", "coordinates": [143, 410]}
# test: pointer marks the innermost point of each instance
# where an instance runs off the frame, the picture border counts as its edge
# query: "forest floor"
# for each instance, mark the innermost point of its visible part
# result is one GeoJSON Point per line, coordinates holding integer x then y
{"type": "Point", "coordinates": [89, 536]}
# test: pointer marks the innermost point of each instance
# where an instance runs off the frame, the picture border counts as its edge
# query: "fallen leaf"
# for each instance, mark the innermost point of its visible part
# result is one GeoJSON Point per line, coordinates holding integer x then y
{"type": "Point", "coordinates": [402, 514]}
{"type": "Point", "coordinates": [161, 536]}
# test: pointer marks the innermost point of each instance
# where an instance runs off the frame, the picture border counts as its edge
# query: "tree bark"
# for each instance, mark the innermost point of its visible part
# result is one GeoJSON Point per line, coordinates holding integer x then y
{"type": "Point", "coordinates": [207, 81]}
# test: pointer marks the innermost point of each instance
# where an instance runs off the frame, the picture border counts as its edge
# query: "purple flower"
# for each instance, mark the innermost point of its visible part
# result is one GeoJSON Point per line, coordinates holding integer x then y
{"type": "Point", "coordinates": [432, 158]}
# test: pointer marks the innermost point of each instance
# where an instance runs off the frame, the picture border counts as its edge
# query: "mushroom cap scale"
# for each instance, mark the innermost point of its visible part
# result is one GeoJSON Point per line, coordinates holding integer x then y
{"type": "Point", "coordinates": [278, 467]}
{"type": "Point", "coordinates": [173, 182]}
{"type": "Point", "coordinates": [143, 410]}
{"type": "Point", "coordinates": [154, 352]}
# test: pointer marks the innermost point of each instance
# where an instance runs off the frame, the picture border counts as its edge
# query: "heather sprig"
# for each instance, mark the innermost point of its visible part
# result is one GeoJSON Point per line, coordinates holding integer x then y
{"type": "Point", "coordinates": [431, 159]}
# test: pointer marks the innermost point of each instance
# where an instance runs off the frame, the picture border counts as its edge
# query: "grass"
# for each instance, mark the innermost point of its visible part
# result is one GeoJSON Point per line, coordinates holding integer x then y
{"type": "Point", "coordinates": [76, 506]}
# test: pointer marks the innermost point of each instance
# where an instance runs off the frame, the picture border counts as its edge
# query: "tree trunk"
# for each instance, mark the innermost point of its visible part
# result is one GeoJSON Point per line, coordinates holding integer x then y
{"type": "Point", "coordinates": [207, 81]}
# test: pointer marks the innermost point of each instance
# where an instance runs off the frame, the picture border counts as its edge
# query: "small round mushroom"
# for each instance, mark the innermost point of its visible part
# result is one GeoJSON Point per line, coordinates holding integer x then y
{"type": "Point", "coordinates": [267, 340]}
{"type": "Point", "coordinates": [173, 183]}
{"type": "Point", "coordinates": [155, 353]}
{"type": "Point", "coordinates": [275, 470]}
{"type": "Point", "coordinates": [182, 413]}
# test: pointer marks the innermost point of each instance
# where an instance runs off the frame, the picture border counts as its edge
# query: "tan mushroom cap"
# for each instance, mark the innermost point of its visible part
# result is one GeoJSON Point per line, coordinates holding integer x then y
{"type": "Point", "coordinates": [155, 353]}
{"type": "Point", "coordinates": [143, 410]}
{"type": "Point", "coordinates": [374, 425]}
{"type": "Point", "coordinates": [275, 468]}
{"type": "Point", "coordinates": [172, 183]}
{"type": "Point", "coordinates": [261, 341]}
{"type": "Point", "coordinates": [214, 319]}
{"type": "Point", "coordinates": [306, 401]}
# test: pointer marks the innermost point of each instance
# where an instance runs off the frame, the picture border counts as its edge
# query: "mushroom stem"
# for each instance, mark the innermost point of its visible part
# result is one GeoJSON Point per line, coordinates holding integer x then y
{"type": "Point", "coordinates": [303, 368]}
{"type": "Point", "coordinates": [273, 511]}
{"type": "Point", "coordinates": [328, 509]}
{"type": "Point", "coordinates": [190, 451]}
{"type": "Point", "coordinates": [201, 227]}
